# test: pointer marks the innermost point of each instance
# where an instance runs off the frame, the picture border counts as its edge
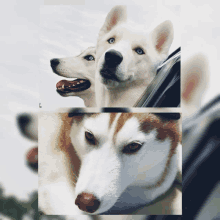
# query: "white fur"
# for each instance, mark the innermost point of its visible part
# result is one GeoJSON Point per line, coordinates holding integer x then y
{"type": "Point", "coordinates": [107, 173]}
{"type": "Point", "coordinates": [79, 67]}
{"type": "Point", "coordinates": [135, 72]}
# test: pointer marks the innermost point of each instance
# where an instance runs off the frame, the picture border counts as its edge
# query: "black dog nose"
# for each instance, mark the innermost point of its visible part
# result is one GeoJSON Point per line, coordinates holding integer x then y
{"type": "Point", "coordinates": [23, 120]}
{"type": "Point", "coordinates": [54, 62]}
{"type": "Point", "coordinates": [87, 202]}
{"type": "Point", "coordinates": [113, 58]}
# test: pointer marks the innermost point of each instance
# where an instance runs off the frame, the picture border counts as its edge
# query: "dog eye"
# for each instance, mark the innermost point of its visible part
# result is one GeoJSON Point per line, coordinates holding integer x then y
{"type": "Point", "coordinates": [111, 40]}
{"type": "Point", "coordinates": [139, 51]}
{"type": "Point", "coordinates": [131, 148]}
{"type": "Point", "coordinates": [89, 57]}
{"type": "Point", "coordinates": [90, 137]}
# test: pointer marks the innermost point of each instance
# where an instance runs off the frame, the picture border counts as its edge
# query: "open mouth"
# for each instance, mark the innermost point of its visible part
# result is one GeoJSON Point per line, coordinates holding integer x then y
{"type": "Point", "coordinates": [78, 85]}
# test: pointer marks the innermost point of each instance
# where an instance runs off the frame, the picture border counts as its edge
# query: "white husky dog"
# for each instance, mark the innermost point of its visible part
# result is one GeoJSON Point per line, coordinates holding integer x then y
{"type": "Point", "coordinates": [128, 157]}
{"type": "Point", "coordinates": [126, 61]}
{"type": "Point", "coordinates": [81, 67]}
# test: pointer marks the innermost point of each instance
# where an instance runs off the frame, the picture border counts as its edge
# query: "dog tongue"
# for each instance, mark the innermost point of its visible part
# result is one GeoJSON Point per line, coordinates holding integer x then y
{"type": "Point", "coordinates": [64, 86]}
{"type": "Point", "coordinates": [65, 83]}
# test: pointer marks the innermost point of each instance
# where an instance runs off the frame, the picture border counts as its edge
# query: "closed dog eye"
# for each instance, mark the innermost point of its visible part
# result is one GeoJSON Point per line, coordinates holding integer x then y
{"type": "Point", "coordinates": [89, 57]}
{"type": "Point", "coordinates": [132, 148]}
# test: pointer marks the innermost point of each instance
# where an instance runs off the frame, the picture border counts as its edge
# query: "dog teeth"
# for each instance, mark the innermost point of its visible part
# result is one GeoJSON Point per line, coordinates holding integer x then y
{"type": "Point", "coordinates": [63, 86]}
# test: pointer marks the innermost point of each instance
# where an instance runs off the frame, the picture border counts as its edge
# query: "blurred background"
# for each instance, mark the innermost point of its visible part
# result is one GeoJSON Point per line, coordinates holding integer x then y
{"type": "Point", "coordinates": [33, 33]}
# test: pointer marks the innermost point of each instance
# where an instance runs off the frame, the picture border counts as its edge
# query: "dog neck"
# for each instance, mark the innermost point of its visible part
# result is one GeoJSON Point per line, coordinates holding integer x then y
{"type": "Point", "coordinates": [89, 99]}
{"type": "Point", "coordinates": [124, 96]}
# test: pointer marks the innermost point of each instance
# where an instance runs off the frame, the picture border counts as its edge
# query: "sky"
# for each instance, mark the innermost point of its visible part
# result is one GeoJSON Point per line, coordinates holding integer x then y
{"type": "Point", "coordinates": [32, 34]}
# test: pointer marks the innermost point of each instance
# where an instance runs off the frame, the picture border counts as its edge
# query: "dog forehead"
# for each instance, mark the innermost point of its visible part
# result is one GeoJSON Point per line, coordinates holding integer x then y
{"type": "Point", "coordinates": [127, 130]}
{"type": "Point", "coordinates": [138, 118]}
{"type": "Point", "coordinates": [129, 33]}
{"type": "Point", "coordinates": [97, 123]}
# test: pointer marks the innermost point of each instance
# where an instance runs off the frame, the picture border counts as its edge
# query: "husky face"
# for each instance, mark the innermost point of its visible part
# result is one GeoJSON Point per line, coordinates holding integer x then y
{"type": "Point", "coordinates": [119, 150]}
{"type": "Point", "coordinates": [124, 56]}
{"type": "Point", "coordinates": [81, 67]}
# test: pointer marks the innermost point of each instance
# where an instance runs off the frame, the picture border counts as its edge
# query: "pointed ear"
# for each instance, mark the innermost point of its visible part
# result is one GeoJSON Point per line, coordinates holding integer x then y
{"type": "Point", "coordinates": [118, 14]}
{"type": "Point", "coordinates": [195, 77]}
{"type": "Point", "coordinates": [162, 37]}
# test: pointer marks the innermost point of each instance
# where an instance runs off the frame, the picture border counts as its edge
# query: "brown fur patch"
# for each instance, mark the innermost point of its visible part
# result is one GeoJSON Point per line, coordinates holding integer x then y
{"type": "Point", "coordinates": [112, 118]}
{"type": "Point", "coordinates": [65, 145]}
{"type": "Point", "coordinates": [121, 121]}
{"type": "Point", "coordinates": [165, 129]}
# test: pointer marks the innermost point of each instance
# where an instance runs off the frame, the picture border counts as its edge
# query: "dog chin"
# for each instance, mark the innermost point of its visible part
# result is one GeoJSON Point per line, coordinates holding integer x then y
{"type": "Point", "coordinates": [73, 93]}
{"type": "Point", "coordinates": [109, 83]}
{"type": "Point", "coordinates": [105, 207]}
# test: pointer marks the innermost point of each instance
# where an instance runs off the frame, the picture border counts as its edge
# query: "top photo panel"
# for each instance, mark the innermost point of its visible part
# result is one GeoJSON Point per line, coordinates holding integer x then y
{"type": "Point", "coordinates": [109, 55]}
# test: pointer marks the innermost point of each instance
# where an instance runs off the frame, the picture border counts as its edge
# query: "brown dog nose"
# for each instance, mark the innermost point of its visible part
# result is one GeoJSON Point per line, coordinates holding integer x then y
{"type": "Point", "coordinates": [87, 202]}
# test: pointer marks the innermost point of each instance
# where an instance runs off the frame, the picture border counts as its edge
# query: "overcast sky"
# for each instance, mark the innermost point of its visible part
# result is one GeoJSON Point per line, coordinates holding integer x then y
{"type": "Point", "coordinates": [65, 31]}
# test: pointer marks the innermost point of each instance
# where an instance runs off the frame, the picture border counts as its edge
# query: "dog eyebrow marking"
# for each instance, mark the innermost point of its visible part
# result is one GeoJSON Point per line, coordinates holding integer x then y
{"type": "Point", "coordinates": [121, 121]}
{"type": "Point", "coordinates": [165, 130]}
{"type": "Point", "coordinates": [112, 118]}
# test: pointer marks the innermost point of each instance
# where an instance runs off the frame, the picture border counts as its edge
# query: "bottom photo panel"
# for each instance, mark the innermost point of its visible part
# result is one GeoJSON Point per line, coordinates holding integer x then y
{"type": "Point", "coordinates": [117, 162]}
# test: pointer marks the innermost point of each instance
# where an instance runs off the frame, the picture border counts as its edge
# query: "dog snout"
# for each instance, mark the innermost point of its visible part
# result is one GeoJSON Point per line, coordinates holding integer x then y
{"type": "Point", "coordinates": [54, 62]}
{"type": "Point", "coordinates": [113, 58]}
{"type": "Point", "coordinates": [87, 202]}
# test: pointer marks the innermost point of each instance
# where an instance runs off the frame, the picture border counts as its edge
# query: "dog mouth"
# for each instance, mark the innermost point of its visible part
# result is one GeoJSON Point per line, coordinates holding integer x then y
{"type": "Point", "coordinates": [109, 74]}
{"type": "Point", "coordinates": [78, 85]}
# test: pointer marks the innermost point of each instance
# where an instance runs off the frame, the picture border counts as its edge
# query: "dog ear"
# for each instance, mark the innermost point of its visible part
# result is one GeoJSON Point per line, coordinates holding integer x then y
{"type": "Point", "coordinates": [162, 37]}
{"type": "Point", "coordinates": [195, 78]}
{"type": "Point", "coordinates": [169, 116]}
{"type": "Point", "coordinates": [118, 14]}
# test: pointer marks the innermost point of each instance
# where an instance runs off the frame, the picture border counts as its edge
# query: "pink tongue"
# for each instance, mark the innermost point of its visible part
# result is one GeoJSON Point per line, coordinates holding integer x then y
{"type": "Point", "coordinates": [65, 83]}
